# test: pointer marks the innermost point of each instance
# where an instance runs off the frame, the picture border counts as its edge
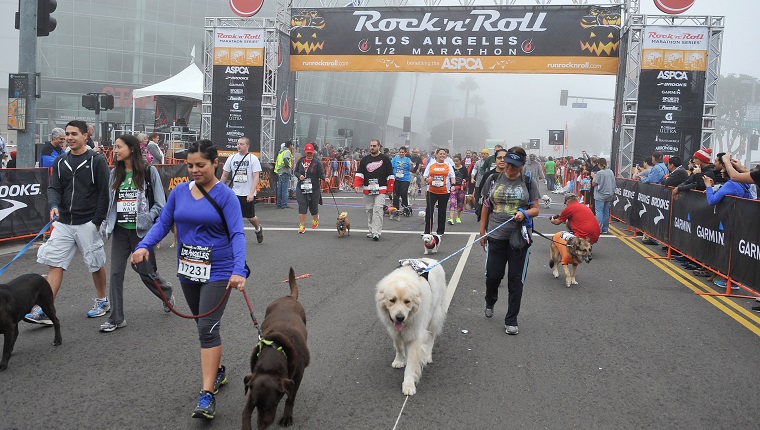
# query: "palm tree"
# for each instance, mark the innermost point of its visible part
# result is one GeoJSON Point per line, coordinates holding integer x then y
{"type": "Point", "coordinates": [467, 85]}
{"type": "Point", "coordinates": [477, 101]}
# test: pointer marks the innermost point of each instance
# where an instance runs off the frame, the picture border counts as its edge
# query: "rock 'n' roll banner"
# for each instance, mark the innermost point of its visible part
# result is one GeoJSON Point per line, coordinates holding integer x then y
{"type": "Point", "coordinates": [498, 39]}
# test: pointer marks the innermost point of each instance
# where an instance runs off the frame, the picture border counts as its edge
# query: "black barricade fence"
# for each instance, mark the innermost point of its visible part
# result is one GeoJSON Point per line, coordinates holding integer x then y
{"type": "Point", "coordinates": [651, 210]}
{"type": "Point", "coordinates": [23, 202]}
{"type": "Point", "coordinates": [745, 242]}
{"type": "Point", "coordinates": [703, 231]}
{"type": "Point", "coordinates": [174, 174]}
{"type": "Point", "coordinates": [625, 197]}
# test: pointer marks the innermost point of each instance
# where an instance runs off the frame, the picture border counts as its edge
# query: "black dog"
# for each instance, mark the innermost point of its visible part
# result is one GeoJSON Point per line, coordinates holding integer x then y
{"type": "Point", "coordinates": [278, 361]}
{"type": "Point", "coordinates": [17, 298]}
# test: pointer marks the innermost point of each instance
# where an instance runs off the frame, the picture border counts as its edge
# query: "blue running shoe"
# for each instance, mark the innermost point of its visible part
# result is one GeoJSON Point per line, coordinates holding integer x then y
{"type": "Point", "coordinates": [100, 308]}
{"type": "Point", "coordinates": [206, 406]}
{"type": "Point", "coordinates": [221, 379]}
{"type": "Point", "coordinates": [36, 316]}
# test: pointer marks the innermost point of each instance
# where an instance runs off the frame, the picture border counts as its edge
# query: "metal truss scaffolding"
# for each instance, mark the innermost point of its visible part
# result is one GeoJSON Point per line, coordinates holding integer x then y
{"type": "Point", "coordinates": [273, 27]}
{"type": "Point", "coordinates": [636, 25]}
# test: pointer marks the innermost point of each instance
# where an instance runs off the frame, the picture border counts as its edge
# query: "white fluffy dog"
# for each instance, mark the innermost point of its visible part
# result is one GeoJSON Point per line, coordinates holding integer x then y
{"type": "Point", "coordinates": [546, 201]}
{"type": "Point", "coordinates": [412, 308]}
{"type": "Point", "coordinates": [431, 242]}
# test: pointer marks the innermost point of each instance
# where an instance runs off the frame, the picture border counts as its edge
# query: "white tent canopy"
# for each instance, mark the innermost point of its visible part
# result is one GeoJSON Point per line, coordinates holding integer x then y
{"type": "Point", "coordinates": [187, 83]}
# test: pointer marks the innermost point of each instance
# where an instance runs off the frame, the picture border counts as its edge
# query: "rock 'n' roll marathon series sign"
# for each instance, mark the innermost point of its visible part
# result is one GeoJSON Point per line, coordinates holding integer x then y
{"type": "Point", "coordinates": [671, 91]}
{"type": "Point", "coordinates": [482, 39]}
{"type": "Point", "coordinates": [237, 88]}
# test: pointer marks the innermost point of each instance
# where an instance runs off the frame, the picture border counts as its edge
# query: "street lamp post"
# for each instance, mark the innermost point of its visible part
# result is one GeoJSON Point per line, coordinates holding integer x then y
{"type": "Point", "coordinates": [451, 142]}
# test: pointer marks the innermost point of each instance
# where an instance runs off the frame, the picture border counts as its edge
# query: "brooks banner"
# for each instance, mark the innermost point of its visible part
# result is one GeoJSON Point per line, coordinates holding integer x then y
{"type": "Point", "coordinates": [651, 210]}
{"type": "Point", "coordinates": [498, 39]}
{"type": "Point", "coordinates": [625, 198]}
{"type": "Point", "coordinates": [23, 201]}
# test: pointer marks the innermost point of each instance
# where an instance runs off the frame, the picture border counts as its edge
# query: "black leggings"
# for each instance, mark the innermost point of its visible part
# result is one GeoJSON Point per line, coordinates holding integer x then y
{"type": "Point", "coordinates": [400, 189]}
{"type": "Point", "coordinates": [201, 298]}
{"type": "Point", "coordinates": [443, 201]}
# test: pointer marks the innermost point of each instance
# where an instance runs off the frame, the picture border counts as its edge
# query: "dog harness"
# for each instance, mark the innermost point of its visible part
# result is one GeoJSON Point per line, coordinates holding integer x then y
{"type": "Point", "coordinates": [263, 342]}
{"type": "Point", "coordinates": [417, 265]}
{"type": "Point", "coordinates": [563, 238]}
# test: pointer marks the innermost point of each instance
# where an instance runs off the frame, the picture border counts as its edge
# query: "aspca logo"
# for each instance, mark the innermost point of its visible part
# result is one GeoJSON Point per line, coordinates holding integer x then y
{"type": "Point", "coordinates": [458, 63]}
{"type": "Point", "coordinates": [671, 74]}
{"type": "Point", "coordinates": [238, 70]}
{"type": "Point", "coordinates": [173, 182]}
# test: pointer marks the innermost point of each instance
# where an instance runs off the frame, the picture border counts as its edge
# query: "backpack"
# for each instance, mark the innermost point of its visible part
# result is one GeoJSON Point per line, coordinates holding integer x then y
{"type": "Point", "coordinates": [146, 154]}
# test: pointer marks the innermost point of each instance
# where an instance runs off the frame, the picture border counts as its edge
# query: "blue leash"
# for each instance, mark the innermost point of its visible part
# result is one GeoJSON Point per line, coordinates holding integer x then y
{"type": "Point", "coordinates": [429, 268]}
{"type": "Point", "coordinates": [26, 248]}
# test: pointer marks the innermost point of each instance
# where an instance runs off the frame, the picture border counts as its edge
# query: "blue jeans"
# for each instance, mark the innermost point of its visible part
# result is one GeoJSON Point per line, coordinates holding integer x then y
{"type": "Point", "coordinates": [283, 184]}
{"type": "Point", "coordinates": [603, 214]}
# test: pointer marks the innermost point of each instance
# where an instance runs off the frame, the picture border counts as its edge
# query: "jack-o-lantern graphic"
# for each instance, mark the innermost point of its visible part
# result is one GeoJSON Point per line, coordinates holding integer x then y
{"type": "Point", "coordinates": [306, 32]}
{"type": "Point", "coordinates": [602, 31]}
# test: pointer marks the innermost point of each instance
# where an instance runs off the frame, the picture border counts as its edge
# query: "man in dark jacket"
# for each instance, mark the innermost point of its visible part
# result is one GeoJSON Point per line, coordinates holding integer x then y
{"type": "Point", "coordinates": [677, 173]}
{"type": "Point", "coordinates": [375, 176]}
{"type": "Point", "coordinates": [78, 198]}
{"type": "Point", "coordinates": [54, 148]}
{"type": "Point", "coordinates": [703, 167]}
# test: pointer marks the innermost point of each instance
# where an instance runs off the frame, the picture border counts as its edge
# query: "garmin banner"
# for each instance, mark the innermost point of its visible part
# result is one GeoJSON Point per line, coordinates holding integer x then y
{"type": "Point", "coordinates": [482, 39]}
{"type": "Point", "coordinates": [238, 84]}
{"type": "Point", "coordinates": [625, 197]}
{"type": "Point", "coordinates": [650, 210]}
{"type": "Point", "coordinates": [702, 231]}
{"type": "Point", "coordinates": [745, 242]}
{"type": "Point", "coordinates": [23, 201]}
{"type": "Point", "coordinates": [671, 91]}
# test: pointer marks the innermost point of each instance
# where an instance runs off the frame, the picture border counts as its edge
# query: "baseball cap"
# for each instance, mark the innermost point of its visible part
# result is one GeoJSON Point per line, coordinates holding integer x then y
{"type": "Point", "coordinates": [485, 151]}
{"type": "Point", "coordinates": [308, 148]}
{"type": "Point", "coordinates": [514, 159]}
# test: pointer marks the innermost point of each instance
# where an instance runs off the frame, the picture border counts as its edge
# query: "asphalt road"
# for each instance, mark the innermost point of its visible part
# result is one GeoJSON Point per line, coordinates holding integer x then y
{"type": "Point", "coordinates": [631, 347]}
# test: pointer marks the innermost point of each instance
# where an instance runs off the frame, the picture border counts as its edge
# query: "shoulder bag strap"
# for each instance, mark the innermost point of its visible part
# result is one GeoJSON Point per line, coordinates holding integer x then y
{"type": "Point", "coordinates": [218, 209]}
{"type": "Point", "coordinates": [232, 177]}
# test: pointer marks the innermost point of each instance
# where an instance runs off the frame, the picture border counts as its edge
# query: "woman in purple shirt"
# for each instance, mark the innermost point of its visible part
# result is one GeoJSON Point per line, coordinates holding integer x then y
{"type": "Point", "coordinates": [210, 260]}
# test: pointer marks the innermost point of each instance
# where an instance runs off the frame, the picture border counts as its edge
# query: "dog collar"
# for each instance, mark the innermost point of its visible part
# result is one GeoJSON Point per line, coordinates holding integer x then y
{"type": "Point", "coordinates": [263, 342]}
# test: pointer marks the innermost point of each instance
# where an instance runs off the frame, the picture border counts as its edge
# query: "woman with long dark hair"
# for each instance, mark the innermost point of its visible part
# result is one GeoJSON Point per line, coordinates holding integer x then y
{"type": "Point", "coordinates": [211, 255]}
{"type": "Point", "coordinates": [136, 199]}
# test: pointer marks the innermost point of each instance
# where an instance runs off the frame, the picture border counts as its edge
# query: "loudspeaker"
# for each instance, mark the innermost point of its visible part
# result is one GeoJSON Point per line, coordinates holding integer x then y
{"type": "Point", "coordinates": [407, 124]}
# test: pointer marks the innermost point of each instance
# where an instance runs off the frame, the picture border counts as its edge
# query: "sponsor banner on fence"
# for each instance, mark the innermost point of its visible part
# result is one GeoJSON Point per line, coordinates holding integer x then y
{"type": "Point", "coordinates": [674, 48]}
{"type": "Point", "coordinates": [238, 84]}
{"type": "Point", "coordinates": [702, 231]}
{"type": "Point", "coordinates": [175, 174]}
{"type": "Point", "coordinates": [745, 242]}
{"type": "Point", "coordinates": [23, 201]}
{"type": "Point", "coordinates": [651, 210]}
{"type": "Point", "coordinates": [496, 39]}
{"type": "Point", "coordinates": [625, 197]}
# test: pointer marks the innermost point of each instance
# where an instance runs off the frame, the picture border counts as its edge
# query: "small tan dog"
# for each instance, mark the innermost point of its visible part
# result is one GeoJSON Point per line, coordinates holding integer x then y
{"type": "Point", "coordinates": [566, 249]}
{"type": "Point", "coordinates": [469, 201]}
{"type": "Point", "coordinates": [344, 225]}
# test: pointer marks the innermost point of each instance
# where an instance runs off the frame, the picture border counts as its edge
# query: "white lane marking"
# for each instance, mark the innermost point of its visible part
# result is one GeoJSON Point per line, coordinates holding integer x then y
{"type": "Point", "coordinates": [454, 282]}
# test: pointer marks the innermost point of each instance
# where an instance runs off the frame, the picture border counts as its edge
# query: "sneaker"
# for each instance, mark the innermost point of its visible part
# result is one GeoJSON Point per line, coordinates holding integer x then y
{"type": "Point", "coordinates": [100, 308]}
{"type": "Point", "coordinates": [369, 235]}
{"type": "Point", "coordinates": [721, 283]}
{"type": "Point", "coordinates": [36, 316]}
{"type": "Point", "coordinates": [459, 220]}
{"type": "Point", "coordinates": [756, 308]}
{"type": "Point", "coordinates": [451, 221]}
{"type": "Point", "coordinates": [171, 302]}
{"type": "Point", "coordinates": [301, 229]}
{"type": "Point", "coordinates": [511, 329]}
{"type": "Point", "coordinates": [108, 326]}
{"type": "Point", "coordinates": [648, 241]}
{"type": "Point", "coordinates": [206, 406]}
{"type": "Point", "coordinates": [702, 272]}
{"type": "Point", "coordinates": [221, 379]}
{"type": "Point", "coordinates": [314, 223]}
{"type": "Point", "coordinates": [375, 237]}
{"type": "Point", "coordinates": [260, 235]}
{"type": "Point", "coordinates": [489, 312]}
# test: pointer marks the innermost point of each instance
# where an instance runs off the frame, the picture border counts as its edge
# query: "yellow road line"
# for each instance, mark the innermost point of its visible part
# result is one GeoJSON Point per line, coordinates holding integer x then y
{"type": "Point", "coordinates": [743, 316]}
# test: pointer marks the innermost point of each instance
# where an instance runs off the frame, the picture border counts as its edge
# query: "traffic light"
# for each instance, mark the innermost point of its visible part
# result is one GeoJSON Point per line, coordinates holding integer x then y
{"type": "Point", "coordinates": [45, 23]}
{"type": "Point", "coordinates": [106, 101]}
{"type": "Point", "coordinates": [90, 102]}
{"type": "Point", "coordinates": [349, 132]}
{"type": "Point", "coordinates": [342, 132]}
{"type": "Point", "coordinates": [563, 98]}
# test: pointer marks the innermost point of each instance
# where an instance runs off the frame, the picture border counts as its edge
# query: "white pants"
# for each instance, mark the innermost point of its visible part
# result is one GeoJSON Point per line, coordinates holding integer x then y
{"type": "Point", "coordinates": [374, 207]}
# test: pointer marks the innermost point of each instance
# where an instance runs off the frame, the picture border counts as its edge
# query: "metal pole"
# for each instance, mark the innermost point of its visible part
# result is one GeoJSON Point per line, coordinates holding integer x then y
{"type": "Point", "coordinates": [27, 63]}
{"type": "Point", "coordinates": [452, 127]}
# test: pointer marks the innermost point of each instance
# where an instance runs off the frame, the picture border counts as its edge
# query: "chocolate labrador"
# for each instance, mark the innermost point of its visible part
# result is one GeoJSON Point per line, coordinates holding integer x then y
{"type": "Point", "coordinates": [17, 298]}
{"type": "Point", "coordinates": [278, 361]}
